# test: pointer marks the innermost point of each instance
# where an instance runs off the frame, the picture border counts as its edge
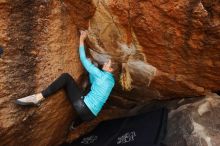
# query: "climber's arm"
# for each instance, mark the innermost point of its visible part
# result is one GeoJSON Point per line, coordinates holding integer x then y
{"type": "Point", "coordinates": [85, 61]}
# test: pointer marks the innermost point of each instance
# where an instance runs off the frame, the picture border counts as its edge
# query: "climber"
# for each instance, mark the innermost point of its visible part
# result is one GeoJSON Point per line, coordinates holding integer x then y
{"type": "Point", "coordinates": [88, 106]}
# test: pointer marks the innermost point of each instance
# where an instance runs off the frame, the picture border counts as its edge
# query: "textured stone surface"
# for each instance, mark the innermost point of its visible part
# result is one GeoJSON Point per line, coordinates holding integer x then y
{"type": "Point", "coordinates": [195, 124]}
{"type": "Point", "coordinates": [40, 41]}
{"type": "Point", "coordinates": [164, 48]}
{"type": "Point", "coordinates": [169, 47]}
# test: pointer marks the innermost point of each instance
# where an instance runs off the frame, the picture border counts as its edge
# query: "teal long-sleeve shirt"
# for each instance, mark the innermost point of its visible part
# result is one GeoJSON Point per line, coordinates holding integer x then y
{"type": "Point", "coordinates": [102, 83]}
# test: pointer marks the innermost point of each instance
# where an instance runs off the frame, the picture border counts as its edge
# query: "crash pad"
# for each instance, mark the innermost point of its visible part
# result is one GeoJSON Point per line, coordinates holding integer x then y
{"type": "Point", "coordinates": [147, 129]}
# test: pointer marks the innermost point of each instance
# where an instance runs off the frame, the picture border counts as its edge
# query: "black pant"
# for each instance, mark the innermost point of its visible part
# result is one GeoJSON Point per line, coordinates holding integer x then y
{"type": "Point", "coordinates": [65, 81]}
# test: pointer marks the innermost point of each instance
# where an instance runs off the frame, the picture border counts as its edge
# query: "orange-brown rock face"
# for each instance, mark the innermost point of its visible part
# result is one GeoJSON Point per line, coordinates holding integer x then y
{"type": "Point", "coordinates": [160, 48]}
{"type": "Point", "coordinates": [169, 47]}
{"type": "Point", "coordinates": [40, 42]}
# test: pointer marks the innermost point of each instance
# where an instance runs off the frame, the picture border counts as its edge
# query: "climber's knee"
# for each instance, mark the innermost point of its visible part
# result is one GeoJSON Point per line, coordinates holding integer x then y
{"type": "Point", "coordinates": [66, 76]}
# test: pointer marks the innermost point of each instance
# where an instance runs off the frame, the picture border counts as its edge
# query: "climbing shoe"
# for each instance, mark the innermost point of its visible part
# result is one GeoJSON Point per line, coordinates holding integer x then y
{"type": "Point", "coordinates": [75, 123]}
{"type": "Point", "coordinates": [72, 126]}
{"type": "Point", "coordinates": [29, 100]}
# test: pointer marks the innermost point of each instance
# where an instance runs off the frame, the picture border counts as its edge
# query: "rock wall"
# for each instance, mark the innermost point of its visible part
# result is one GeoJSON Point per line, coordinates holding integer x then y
{"type": "Point", "coordinates": [160, 49]}
{"type": "Point", "coordinates": [170, 48]}
{"type": "Point", "coordinates": [40, 41]}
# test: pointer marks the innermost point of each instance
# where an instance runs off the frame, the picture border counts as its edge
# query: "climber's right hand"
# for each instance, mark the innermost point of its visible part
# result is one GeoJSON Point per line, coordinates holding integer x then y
{"type": "Point", "coordinates": [83, 35]}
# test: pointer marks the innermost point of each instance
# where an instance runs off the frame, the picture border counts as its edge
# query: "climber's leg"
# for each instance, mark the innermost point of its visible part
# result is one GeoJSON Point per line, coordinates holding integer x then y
{"type": "Point", "coordinates": [75, 95]}
{"type": "Point", "coordinates": [84, 114]}
{"type": "Point", "coordinates": [83, 111]}
{"type": "Point", "coordinates": [64, 81]}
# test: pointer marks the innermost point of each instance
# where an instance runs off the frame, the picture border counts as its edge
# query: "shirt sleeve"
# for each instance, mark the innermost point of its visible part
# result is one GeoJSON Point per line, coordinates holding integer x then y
{"type": "Point", "coordinates": [91, 78]}
{"type": "Point", "coordinates": [91, 68]}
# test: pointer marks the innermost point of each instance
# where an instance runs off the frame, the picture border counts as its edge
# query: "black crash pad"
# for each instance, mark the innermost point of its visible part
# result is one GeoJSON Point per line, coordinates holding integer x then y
{"type": "Point", "coordinates": [146, 129]}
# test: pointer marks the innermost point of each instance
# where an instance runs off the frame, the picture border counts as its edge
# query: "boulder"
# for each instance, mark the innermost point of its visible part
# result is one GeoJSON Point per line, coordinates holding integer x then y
{"type": "Point", "coordinates": [40, 41]}
{"type": "Point", "coordinates": [161, 49]}
{"type": "Point", "coordinates": [195, 123]}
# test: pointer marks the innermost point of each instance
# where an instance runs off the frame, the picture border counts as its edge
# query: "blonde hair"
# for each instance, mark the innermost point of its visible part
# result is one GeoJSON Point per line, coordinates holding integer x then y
{"type": "Point", "coordinates": [125, 78]}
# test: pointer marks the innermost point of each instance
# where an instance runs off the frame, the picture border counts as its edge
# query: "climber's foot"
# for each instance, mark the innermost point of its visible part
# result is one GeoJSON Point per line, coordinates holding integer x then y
{"type": "Point", "coordinates": [74, 125]}
{"type": "Point", "coordinates": [34, 99]}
